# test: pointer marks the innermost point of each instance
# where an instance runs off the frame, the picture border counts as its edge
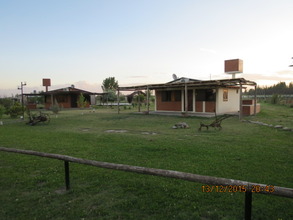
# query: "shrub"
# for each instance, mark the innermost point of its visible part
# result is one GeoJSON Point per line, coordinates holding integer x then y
{"type": "Point", "coordinates": [15, 110]}
{"type": "Point", "coordinates": [2, 110]}
{"type": "Point", "coordinates": [6, 102]}
{"type": "Point", "coordinates": [81, 102]}
{"type": "Point", "coordinates": [275, 99]}
{"type": "Point", "coordinates": [55, 108]}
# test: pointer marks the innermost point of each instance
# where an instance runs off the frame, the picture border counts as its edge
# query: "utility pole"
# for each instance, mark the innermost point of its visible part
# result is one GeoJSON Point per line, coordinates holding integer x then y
{"type": "Point", "coordinates": [22, 103]}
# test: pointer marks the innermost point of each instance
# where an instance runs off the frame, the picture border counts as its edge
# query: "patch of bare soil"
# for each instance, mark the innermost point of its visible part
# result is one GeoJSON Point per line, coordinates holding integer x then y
{"type": "Point", "coordinates": [149, 133]}
{"type": "Point", "coordinates": [116, 131]}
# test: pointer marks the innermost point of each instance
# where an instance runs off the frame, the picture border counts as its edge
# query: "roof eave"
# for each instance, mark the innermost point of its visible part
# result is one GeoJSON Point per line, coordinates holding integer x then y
{"type": "Point", "coordinates": [210, 83]}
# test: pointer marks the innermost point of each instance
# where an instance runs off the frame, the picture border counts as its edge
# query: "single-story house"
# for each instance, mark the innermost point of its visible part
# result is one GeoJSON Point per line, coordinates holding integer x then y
{"type": "Point", "coordinates": [64, 97]}
{"type": "Point", "coordinates": [68, 97]}
{"type": "Point", "coordinates": [197, 96]}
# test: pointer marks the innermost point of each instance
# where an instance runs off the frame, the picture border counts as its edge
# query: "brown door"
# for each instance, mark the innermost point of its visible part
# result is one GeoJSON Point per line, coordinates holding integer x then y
{"type": "Point", "coordinates": [189, 100]}
{"type": "Point", "coordinates": [73, 101]}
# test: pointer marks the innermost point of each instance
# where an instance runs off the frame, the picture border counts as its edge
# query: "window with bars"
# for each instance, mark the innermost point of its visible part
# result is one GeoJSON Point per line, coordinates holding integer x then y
{"type": "Point", "coordinates": [166, 96]}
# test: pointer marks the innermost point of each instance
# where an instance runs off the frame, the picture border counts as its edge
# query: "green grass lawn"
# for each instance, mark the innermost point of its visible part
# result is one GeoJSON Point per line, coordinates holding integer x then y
{"type": "Point", "coordinates": [33, 187]}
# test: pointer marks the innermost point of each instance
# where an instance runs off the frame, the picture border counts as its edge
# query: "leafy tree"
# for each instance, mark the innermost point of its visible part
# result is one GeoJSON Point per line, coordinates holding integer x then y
{"type": "Point", "coordinates": [110, 84]}
{"type": "Point", "coordinates": [6, 102]}
{"type": "Point", "coordinates": [81, 102]}
{"type": "Point", "coordinates": [121, 97]}
{"type": "Point", "coordinates": [139, 98]}
{"type": "Point", "coordinates": [36, 99]}
{"type": "Point", "coordinates": [110, 96]}
{"type": "Point", "coordinates": [15, 110]}
{"type": "Point", "coordinates": [2, 110]}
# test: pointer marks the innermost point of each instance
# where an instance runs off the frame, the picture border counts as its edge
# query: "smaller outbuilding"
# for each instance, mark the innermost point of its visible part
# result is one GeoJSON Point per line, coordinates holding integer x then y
{"type": "Point", "coordinates": [68, 97]}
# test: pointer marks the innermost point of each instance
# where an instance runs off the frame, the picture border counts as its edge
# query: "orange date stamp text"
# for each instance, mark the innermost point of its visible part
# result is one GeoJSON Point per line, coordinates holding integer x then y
{"type": "Point", "coordinates": [237, 188]}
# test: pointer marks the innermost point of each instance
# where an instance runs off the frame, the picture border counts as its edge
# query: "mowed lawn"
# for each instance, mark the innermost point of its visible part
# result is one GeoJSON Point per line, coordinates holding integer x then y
{"type": "Point", "coordinates": [33, 187]}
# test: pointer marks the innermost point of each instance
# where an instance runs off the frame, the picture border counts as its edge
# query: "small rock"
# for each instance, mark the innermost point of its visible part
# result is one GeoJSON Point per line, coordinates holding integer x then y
{"type": "Point", "coordinates": [287, 129]}
{"type": "Point", "coordinates": [264, 124]}
{"type": "Point", "coordinates": [181, 125]}
{"type": "Point", "coordinates": [278, 126]}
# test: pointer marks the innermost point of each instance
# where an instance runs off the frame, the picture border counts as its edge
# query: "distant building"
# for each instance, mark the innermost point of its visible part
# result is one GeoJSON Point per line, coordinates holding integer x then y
{"type": "Point", "coordinates": [67, 97]}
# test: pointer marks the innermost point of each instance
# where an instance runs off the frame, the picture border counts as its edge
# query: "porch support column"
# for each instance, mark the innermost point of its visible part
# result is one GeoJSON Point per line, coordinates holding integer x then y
{"type": "Point", "coordinates": [138, 100]}
{"type": "Point", "coordinates": [194, 100]}
{"type": "Point", "coordinates": [240, 104]}
{"type": "Point", "coordinates": [52, 100]}
{"type": "Point", "coordinates": [155, 100]}
{"type": "Point", "coordinates": [148, 100]}
{"type": "Point", "coordinates": [254, 100]}
{"type": "Point", "coordinates": [216, 98]}
{"type": "Point", "coordinates": [118, 101]}
{"type": "Point", "coordinates": [182, 100]}
{"type": "Point", "coordinates": [186, 98]}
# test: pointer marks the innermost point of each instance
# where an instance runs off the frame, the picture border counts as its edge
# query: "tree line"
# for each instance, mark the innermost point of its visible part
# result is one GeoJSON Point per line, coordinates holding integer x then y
{"type": "Point", "coordinates": [280, 88]}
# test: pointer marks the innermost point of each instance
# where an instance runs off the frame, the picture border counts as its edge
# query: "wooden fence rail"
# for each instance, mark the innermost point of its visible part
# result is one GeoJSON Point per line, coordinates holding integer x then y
{"type": "Point", "coordinates": [278, 191]}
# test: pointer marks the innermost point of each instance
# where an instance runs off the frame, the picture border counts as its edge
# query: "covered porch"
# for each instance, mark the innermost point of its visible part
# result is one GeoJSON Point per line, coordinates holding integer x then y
{"type": "Point", "coordinates": [193, 96]}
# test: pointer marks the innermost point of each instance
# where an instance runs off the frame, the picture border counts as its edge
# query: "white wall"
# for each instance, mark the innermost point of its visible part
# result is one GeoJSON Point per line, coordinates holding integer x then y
{"type": "Point", "coordinates": [230, 106]}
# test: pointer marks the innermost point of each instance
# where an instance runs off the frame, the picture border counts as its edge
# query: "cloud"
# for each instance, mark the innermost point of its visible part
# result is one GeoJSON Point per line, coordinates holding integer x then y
{"type": "Point", "coordinates": [261, 79]}
{"type": "Point", "coordinates": [137, 77]}
{"type": "Point", "coordinates": [273, 77]}
{"type": "Point", "coordinates": [208, 50]}
{"type": "Point", "coordinates": [8, 92]}
{"type": "Point", "coordinates": [91, 87]}
{"type": "Point", "coordinates": [285, 72]}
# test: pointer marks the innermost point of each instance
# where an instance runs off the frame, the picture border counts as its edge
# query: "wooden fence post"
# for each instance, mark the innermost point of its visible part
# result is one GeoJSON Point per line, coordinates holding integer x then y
{"type": "Point", "coordinates": [148, 100]}
{"type": "Point", "coordinates": [67, 179]}
{"type": "Point", "coordinates": [118, 100]}
{"type": "Point", "coordinates": [254, 110]}
{"type": "Point", "coordinates": [248, 205]}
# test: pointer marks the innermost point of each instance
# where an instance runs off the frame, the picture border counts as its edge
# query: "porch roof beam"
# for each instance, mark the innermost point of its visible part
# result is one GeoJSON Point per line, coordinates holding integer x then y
{"type": "Point", "coordinates": [209, 83]}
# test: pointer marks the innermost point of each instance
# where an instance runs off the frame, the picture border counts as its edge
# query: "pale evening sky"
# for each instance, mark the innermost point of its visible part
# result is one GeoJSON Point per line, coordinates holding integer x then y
{"type": "Point", "coordinates": [82, 42]}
